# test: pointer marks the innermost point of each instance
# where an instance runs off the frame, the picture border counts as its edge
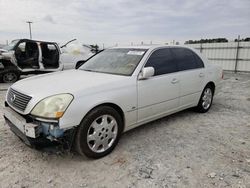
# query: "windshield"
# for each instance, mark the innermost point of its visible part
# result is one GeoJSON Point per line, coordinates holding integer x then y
{"type": "Point", "coordinates": [115, 61]}
{"type": "Point", "coordinates": [11, 45]}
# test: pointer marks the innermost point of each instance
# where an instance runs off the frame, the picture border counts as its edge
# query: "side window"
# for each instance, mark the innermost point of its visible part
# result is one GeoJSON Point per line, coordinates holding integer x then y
{"type": "Point", "coordinates": [20, 51]}
{"type": "Point", "coordinates": [198, 60]}
{"type": "Point", "coordinates": [184, 58]}
{"type": "Point", "coordinates": [51, 47]}
{"type": "Point", "coordinates": [21, 46]}
{"type": "Point", "coordinates": [162, 61]}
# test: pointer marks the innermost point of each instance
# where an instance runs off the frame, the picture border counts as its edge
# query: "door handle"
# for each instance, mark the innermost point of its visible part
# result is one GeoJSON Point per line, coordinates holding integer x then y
{"type": "Point", "coordinates": [174, 81]}
{"type": "Point", "coordinates": [201, 74]}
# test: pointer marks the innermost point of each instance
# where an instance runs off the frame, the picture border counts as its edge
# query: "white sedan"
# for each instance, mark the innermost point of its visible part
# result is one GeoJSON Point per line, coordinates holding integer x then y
{"type": "Point", "coordinates": [115, 91]}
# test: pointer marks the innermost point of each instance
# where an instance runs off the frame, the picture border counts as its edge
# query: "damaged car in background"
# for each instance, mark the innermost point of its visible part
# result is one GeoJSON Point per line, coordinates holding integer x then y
{"type": "Point", "coordinates": [114, 91]}
{"type": "Point", "coordinates": [24, 56]}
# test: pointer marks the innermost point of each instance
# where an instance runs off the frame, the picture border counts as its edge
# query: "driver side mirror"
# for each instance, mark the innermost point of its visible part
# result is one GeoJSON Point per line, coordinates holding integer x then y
{"type": "Point", "coordinates": [80, 63]}
{"type": "Point", "coordinates": [146, 73]}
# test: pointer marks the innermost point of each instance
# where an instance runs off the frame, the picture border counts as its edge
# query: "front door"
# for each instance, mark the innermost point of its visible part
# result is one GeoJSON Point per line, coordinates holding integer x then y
{"type": "Point", "coordinates": [159, 95]}
{"type": "Point", "coordinates": [27, 55]}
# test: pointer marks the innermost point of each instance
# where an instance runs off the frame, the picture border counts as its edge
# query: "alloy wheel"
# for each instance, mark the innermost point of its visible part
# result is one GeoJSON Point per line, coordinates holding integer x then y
{"type": "Point", "coordinates": [9, 77]}
{"type": "Point", "coordinates": [207, 98]}
{"type": "Point", "coordinates": [102, 133]}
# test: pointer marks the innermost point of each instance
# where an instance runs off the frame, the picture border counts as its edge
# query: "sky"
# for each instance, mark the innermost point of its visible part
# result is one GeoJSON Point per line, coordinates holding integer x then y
{"type": "Point", "coordinates": [124, 22]}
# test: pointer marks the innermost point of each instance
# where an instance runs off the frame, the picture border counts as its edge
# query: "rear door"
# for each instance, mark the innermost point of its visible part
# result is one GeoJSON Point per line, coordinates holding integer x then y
{"type": "Point", "coordinates": [192, 75]}
{"type": "Point", "coordinates": [159, 94]}
{"type": "Point", "coordinates": [50, 56]}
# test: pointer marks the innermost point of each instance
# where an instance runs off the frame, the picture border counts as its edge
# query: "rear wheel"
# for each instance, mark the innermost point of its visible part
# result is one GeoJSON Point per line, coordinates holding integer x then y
{"type": "Point", "coordinates": [10, 76]}
{"type": "Point", "coordinates": [99, 132]}
{"type": "Point", "coordinates": [206, 99]}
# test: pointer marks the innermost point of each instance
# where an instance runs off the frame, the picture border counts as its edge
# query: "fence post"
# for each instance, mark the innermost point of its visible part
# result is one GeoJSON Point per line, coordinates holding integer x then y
{"type": "Point", "coordinates": [237, 55]}
{"type": "Point", "coordinates": [201, 48]}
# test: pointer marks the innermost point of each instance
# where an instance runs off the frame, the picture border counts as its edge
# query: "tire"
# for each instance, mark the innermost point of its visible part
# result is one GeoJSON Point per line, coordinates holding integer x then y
{"type": "Point", "coordinates": [99, 132]}
{"type": "Point", "coordinates": [206, 99]}
{"type": "Point", "coordinates": [10, 76]}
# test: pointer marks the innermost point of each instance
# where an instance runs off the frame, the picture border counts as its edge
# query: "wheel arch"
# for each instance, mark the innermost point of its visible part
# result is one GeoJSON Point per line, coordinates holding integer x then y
{"type": "Point", "coordinates": [211, 83]}
{"type": "Point", "coordinates": [8, 70]}
{"type": "Point", "coordinates": [115, 107]}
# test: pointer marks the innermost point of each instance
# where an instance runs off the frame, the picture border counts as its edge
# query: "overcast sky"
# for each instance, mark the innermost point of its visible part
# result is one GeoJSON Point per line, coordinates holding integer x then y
{"type": "Point", "coordinates": [124, 21]}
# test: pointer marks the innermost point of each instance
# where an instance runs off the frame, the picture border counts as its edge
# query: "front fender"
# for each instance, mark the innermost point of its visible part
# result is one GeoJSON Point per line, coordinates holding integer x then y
{"type": "Point", "coordinates": [125, 98]}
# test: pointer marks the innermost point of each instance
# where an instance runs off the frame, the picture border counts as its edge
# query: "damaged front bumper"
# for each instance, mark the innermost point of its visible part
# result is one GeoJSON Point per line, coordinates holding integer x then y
{"type": "Point", "coordinates": [34, 132]}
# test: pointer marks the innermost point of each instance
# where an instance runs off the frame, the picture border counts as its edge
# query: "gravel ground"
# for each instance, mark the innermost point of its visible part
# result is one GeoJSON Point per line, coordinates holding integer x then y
{"type": "Point", "coordinates": [182, 150]}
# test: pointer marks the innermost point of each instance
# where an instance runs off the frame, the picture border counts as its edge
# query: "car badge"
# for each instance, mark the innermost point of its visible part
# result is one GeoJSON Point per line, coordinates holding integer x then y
{"type": "Point", "coordinates": [13, 98]}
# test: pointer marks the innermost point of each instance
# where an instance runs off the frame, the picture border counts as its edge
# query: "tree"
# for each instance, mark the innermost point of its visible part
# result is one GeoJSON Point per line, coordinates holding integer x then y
{"type": "Point", "coordinates": [206, 41]}
{"type": "Point", "coordinates": [244, 39]}
{"type": "Point", "coordinates": [95, 48]}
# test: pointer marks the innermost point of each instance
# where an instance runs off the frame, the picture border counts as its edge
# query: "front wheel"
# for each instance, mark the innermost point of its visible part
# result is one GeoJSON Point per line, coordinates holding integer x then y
{"type": "Point", "coordinates": [10, 76]}
{"type": "Point", "coordinates": [206, 99]}
{"type": "Point", "coordinates": [99, 132]}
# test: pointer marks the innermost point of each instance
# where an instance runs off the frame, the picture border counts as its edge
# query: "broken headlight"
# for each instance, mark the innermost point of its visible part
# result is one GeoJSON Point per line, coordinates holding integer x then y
{"type": "Point", "coordinates": [52, 107]}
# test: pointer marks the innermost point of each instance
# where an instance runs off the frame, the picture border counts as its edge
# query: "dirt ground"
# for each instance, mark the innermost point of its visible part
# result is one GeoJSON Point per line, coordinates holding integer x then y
{"type": "Point", "coordinates": [187, 149]}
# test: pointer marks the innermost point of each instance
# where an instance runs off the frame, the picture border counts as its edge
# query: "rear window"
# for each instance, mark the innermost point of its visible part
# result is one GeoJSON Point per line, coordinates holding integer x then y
{"type": "Point", "coordinates": [198, 60]}
{"type": "Point", "coordinates": [186, 59]}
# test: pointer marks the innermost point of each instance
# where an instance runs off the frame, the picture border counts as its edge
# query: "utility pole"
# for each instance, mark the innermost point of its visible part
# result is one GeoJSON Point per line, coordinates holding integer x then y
{"type": "Point", "coordinates": [29, 22]}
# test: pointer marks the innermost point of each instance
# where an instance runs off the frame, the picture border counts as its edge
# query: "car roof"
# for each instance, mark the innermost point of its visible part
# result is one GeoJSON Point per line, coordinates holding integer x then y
{"type": "Point", "coordinates": [149, 46]}
{"type": "Point", "coordinates": [135, 47]}
{"type": "Point", "coordinates": [30, 40]}
{"type": "Point", "coordinates": [153, 47]}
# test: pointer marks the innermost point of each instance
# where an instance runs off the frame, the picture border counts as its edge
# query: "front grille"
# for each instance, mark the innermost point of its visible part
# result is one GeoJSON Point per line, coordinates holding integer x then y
{"type": "Point", "coordinates": [17, 99]}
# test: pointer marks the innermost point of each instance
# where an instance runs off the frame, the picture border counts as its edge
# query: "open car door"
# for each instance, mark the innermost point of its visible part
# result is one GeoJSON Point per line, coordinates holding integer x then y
{"type": "Point", "coordinates": [27, 55]}
{"type": "Point", "coordinates": [50, 56]}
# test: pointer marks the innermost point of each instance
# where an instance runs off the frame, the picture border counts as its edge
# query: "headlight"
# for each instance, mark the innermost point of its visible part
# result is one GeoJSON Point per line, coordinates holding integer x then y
{"type": "Point", "coordinates": [53, 106]}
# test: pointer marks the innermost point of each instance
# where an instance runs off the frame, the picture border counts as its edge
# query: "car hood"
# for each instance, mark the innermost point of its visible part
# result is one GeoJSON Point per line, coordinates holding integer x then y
{"type": "Point", "coordinates": [3, 50]}
{"type": "Point", "coordinates": [76, 82]}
